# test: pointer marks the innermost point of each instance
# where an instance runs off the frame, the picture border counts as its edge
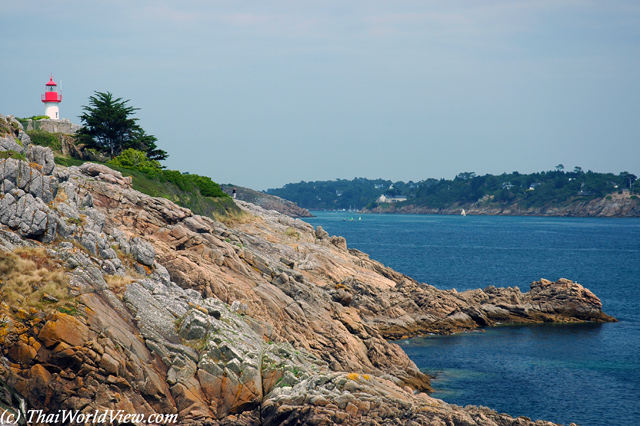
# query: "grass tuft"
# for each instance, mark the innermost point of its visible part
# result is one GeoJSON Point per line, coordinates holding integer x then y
{"type": "Point", "coordinates": [32, 278]}
{"type": "Point", "coordinates": [118, 284]}
{"type": "Point", "coordinates": [12, 154]}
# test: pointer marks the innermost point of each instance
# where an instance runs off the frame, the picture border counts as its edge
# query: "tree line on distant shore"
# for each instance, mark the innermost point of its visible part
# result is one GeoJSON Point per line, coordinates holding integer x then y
{"type": "Point", "coordinates": [555, 187]}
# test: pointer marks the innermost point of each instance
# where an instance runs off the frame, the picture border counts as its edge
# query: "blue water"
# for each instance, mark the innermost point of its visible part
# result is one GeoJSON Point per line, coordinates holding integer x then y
{"type": "Point", "coordinates": [588, 374]}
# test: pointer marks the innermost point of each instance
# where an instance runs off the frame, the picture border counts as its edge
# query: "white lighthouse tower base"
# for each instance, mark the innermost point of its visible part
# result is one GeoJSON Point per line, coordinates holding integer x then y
{"type": "Point", "coordinates": [51, 110]}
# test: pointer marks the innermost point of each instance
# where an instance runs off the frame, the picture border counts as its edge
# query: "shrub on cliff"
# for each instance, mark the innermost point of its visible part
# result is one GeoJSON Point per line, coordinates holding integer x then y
{"type": "Point", "coordinates": [12, 154]}
{"type": "Point", "coordinates": [25, 121]}
{"type": "Point", "coordinates": [189, 183]}
{"type": "Point", "coordinates": [44, 138]}
{"type": "Point", "coordinates": [137, 160]}
{"type": "Point", "coordinates": [207, 187]}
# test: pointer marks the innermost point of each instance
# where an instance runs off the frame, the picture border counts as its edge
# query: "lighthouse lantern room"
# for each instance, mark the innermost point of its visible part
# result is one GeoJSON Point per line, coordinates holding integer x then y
{"type": "Point", "coordinates": [51, 99]}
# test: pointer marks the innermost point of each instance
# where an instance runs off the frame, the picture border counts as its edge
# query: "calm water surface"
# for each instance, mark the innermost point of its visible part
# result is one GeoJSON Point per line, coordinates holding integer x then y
{"type": "Point", "coordinates": [588, 374]}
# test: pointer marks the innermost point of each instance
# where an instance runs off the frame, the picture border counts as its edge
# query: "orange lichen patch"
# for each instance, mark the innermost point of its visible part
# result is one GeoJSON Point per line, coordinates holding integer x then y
{"type": "Point", "coordinates": [63, 328]}
{"type": "Point", "coordinates": [23, 314]}
{"type": "Point", "coordinates": [4, 331]}
{"type": "Point", "coordinates": [36, 166]}
{"type": "Point", "coordinates": [353, 376]}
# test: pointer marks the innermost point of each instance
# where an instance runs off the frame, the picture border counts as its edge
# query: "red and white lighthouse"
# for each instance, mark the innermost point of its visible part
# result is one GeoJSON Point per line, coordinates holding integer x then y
{"type": "Point", "coordinates": [51, 99]}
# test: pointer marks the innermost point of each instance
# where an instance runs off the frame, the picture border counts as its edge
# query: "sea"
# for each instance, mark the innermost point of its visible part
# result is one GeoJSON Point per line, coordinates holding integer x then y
{"type": "Point", "coordinates": [583, 373]}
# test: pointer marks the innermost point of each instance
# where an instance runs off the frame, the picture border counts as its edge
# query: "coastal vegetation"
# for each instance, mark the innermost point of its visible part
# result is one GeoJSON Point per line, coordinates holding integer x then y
{"type": "Point", "coordinates": [44, 138]}
{"type": "Point", "coordinates": [534, 190]}
{"type": "Point", "coordinates": [109, 127]}
{"type": "Point", "coordinates": [12, 154]}
{"type": "Point", "coordinates": [198, 193]}
{"type": "Point", "coordinates": [137, 157]}
{"type": "Point", "coordinates": [112, 136]}
{"type": "Point", "coordinates": [25, 120]}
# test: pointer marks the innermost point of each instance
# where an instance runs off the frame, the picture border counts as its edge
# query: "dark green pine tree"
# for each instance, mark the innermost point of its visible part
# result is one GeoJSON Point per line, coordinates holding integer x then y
{"type": "Point", "coordinates": [147, 143]}
{"type": "Point", "coordinates": [109, 126]}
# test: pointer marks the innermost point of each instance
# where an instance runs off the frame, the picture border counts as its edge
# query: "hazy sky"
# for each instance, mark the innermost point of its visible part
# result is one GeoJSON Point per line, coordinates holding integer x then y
{"type": "Point", "coordinates": [265, 93]}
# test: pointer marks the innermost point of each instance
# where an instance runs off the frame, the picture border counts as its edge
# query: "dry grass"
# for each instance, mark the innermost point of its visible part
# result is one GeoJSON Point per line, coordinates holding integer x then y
{"type": "Point", "coordinates": [291, 232]}
{"type": "Point", "coordinates": [61, 196]}
{"type": "Point", "coordinates": [234, 219]}
{"type": "Point", "coordinates": [118, 284]}
{"type": "Point", "coordinates": [26, 275]}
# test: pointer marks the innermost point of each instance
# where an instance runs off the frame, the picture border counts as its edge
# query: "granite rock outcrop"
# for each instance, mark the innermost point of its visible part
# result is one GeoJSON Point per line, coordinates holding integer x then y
{"type": "Point", "coordinates": [268, 201]}
{"type": "Point", "coordinates": [264, 321]}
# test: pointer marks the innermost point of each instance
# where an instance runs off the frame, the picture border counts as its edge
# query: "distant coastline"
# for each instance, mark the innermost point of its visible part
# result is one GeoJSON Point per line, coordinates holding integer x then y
{"type": "Point", "coordinates": [614, 205]}
{"type": "Point", "coordinates": [552, 193]}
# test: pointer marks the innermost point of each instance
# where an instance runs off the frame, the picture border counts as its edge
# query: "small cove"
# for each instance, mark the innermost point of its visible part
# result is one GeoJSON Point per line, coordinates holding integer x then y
{"type": "Point", "coordinates": [585, 373]}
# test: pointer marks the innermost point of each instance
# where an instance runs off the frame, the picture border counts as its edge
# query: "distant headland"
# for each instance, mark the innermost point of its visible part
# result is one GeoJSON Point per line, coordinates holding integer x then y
{"type": "Point", "coordinates": [547, 193]}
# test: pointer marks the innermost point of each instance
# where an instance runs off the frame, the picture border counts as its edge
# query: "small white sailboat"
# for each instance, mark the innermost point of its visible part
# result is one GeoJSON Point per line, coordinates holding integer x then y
{"type": "Point", "coordinates": [463, 213]}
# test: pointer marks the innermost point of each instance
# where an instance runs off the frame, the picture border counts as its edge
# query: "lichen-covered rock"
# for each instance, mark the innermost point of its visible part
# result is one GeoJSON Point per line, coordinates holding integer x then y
{"type": "Point", "coordinates": [9, 143]}
{"type": "Point", "coordinates": [63, 328]}
{"type": "Point", "coordinates": [42, 156]}
{"type": "Point", "coordinates": [105, 173]}
{"type": "Point", "coordinates": [24, 213]}
{"type": "Point", "coordinates": [20, 174]}
{"type": "Point", "coordinates": [142, 251]}
{"type": "Point", "coordinates": [24, 138]}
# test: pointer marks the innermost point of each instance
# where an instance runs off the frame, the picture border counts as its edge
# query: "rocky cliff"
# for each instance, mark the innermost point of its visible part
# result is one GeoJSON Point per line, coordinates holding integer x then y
{"type": "Point", "coordinates": [112, 299]}
{"type": "Point", "coordinates": [267, 201]}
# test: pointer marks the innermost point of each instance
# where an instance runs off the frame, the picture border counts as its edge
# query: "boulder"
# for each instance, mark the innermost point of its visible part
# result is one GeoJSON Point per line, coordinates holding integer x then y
{"type": "Point", "coordinates": [142, 251]}
{"type": "Point", "coordinates": [24, 138]}
{"type": "Point", "coordinates": [63, 328]}
{"type": "Point", "coordinates": [343, 297]}
{"type": "Point", "coordinates": [9, 143]}
{"type": "Point", "coordinates": [42, 156]}
{"type": "Point", "coordinates": [20, 174]}
{"type": "Point", "coordinates": [24, 213]}
{"type": "Point", "coordinates": [339, 242]}
{"type": "Point", "coordinates": [105, 173]}
{"type": "Point", "coordinates": [321, 234]}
